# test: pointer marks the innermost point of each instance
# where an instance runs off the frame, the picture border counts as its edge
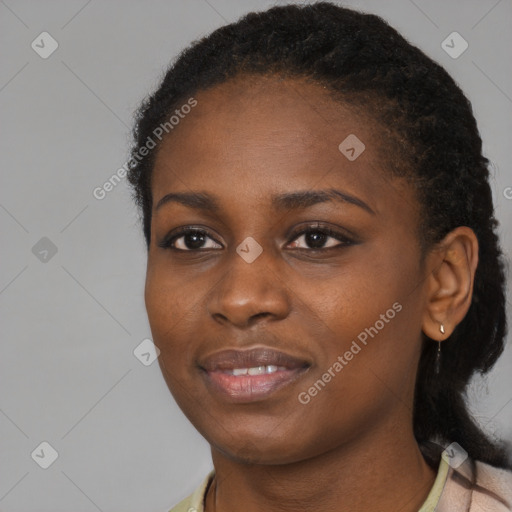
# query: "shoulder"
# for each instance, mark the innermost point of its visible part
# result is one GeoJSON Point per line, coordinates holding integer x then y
{"type": "Point", "coordinates": [183, 506]}
{"type": "Point", "coordinates": [475, 486]}
{"type": "Point", "coordinates": [493, 488]}
{"type": "Point", "coordinates": [195, 502]}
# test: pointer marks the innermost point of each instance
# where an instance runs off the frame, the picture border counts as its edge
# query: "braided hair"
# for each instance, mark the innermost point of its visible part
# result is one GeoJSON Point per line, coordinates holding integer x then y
{"type": "Point", "coordinates": [430, 125]}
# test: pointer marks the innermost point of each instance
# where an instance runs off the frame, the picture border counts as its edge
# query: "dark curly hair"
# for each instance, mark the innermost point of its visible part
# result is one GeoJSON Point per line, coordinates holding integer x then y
{"type": "Point", "coordinates": [428, 120]}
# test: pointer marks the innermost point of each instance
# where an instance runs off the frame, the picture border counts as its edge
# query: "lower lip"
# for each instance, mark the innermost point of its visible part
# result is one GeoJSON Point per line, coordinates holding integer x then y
{"type": "Point", "coordinates": [251, 388]}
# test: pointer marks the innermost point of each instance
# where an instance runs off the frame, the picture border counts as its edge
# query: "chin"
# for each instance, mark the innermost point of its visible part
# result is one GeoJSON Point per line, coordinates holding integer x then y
{"type": "Point", "coordinates": [256, 447]}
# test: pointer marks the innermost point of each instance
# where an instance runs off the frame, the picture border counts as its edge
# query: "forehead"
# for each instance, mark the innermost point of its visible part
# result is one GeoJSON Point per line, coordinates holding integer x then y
{"type": "Point", "coordinates": [254, 135]}
{"type": "Point", "coordinates": [284, 113]}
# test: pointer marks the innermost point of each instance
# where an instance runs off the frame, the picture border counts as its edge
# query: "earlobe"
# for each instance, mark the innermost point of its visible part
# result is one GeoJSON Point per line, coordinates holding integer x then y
{"type": "Point", "coordinates": [449, 286]}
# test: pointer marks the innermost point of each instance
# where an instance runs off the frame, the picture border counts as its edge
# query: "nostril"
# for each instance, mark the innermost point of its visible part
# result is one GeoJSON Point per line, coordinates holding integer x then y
{"type": "Point", "coordinates": [261, 314]}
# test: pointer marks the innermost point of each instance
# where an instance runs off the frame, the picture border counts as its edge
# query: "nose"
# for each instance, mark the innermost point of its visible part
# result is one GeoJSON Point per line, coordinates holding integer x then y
{"type": "Point", "coordinates": [249, 293]}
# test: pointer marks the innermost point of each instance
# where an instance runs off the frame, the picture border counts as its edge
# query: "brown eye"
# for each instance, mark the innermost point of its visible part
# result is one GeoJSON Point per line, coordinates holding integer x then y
{"type": "Point", "coordinates": [193, 240]}
{"type": "Point", "coordinates": [315, 238]}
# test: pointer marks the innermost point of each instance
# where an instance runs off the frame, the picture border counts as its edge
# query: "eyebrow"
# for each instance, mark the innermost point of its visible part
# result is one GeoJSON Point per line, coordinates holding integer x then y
{"type": "Point", "coordinates": [289, 201]}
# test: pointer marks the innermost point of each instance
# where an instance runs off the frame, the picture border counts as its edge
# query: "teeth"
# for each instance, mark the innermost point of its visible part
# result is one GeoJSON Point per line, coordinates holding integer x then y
{"type": "Point", "coordinates": [257, 370]}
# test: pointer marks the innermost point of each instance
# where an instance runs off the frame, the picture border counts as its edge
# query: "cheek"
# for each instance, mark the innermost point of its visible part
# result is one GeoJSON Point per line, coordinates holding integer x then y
{"type": "Point", "coordinates": [170, 305]}
{"type": "Point", "coordinates": [172, 311]}
{"type": "Point", "coordinates": [371, 313]}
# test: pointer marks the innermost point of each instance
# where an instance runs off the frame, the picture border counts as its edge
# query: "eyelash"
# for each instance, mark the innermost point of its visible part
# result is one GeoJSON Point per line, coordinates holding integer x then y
{"type": "Point", "coordinates": [167, 242]}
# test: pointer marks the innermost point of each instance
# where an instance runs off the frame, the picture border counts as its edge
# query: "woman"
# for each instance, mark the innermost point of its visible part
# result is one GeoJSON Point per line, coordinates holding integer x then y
{"type": "Point", "coordinates": [324, 275]}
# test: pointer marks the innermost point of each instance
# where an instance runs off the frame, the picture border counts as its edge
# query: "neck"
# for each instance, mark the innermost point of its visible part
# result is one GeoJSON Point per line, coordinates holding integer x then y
{"type": "Point", "coordinates": [370, 473]}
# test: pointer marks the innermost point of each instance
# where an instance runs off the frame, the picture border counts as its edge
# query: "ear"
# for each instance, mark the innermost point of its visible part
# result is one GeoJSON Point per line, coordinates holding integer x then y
{"type": "Point", "coordinates": [452, 266]}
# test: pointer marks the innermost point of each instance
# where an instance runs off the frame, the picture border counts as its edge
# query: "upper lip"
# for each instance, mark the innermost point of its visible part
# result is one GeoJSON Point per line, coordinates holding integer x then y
{"type": "Point", "coordinates": [230, 359]}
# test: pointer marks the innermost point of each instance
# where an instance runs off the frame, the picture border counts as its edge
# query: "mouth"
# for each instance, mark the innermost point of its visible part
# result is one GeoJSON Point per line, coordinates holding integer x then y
{"type": "Point", "coordinates": [251, 375]}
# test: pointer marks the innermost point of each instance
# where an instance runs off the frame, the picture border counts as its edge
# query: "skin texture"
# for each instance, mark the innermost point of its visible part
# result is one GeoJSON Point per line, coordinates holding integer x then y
{"type": "Point", "coordinates": [352, 445]}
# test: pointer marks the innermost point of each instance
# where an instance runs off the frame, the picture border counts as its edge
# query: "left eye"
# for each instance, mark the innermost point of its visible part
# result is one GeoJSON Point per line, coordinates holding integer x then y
{"type": "Point", "coordinates": [317, 238]}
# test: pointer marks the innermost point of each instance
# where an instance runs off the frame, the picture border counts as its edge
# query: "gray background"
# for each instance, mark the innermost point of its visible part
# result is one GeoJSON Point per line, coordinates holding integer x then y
{"type": "Point", "coordinates": [70, 324]}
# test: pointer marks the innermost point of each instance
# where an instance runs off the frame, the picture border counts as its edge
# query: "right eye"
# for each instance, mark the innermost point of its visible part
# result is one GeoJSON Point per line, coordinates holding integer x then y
{"type": "Point", "coordinates": [193, 239]}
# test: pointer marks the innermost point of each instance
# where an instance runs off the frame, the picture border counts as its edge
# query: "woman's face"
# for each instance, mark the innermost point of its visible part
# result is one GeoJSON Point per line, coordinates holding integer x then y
{"type": "Point", "coordinates": [334, 318]}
